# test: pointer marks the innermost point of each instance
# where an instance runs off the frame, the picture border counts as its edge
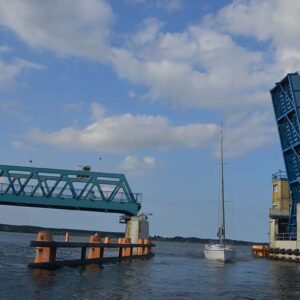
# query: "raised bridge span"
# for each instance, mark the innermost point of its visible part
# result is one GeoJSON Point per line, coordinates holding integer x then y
{"type": "Point", "coordinates": [286, 103]}
{"type": "Point", "coordinates": [67, 189]}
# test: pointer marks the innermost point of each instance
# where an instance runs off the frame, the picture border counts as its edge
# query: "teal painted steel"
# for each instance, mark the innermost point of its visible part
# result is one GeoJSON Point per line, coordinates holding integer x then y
{"type": "Point", "coordinates": [67, 189]}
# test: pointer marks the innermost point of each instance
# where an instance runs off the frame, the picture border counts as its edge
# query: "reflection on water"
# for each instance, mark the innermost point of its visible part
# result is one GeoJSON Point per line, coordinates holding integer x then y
{"type": "Point", "coordinates": [285, 279]}
{"type": "Point", "coordinates": [42, 277]}
{"type": "Point", "coordinates": [178, 271]}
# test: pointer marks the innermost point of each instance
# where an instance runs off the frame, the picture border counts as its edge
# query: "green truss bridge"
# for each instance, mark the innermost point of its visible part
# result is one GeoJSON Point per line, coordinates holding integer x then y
{"type": "Point", "coordinates": [67, 189]}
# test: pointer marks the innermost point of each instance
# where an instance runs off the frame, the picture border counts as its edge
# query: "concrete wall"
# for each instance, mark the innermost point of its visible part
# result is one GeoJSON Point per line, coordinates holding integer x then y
{"type": "Point", "coordinates": [137, 228]}
{"type": "Point", "coordinates": [286, 244]}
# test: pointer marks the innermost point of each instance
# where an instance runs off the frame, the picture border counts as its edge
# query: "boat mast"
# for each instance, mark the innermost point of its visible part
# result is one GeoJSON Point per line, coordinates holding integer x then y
{"type": "Point", "coordinates": [222, 233]}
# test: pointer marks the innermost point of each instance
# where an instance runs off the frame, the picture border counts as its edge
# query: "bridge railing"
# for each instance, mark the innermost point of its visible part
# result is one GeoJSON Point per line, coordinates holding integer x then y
{"type": "Point", "coordinates": [286, 236]}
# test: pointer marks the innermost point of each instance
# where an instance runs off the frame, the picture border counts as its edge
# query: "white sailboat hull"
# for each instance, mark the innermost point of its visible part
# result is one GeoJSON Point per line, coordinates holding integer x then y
{"type": "Point", "coordinates": [219, 252]}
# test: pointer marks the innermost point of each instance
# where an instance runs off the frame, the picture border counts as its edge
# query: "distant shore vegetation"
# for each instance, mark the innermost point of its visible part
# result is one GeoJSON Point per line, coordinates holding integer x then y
{"type": "Point", "coordinates": [78, 232]}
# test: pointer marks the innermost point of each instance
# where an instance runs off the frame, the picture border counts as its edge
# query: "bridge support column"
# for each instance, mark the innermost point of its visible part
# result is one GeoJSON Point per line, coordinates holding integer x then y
{"type": "Point", "coordinates": [137, 228]}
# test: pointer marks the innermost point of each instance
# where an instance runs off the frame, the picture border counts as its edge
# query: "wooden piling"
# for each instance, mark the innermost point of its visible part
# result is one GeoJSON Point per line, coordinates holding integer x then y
{"type": "Point", "coordinates": [120, 242]}
{"type": "Point", "coordinates": [95, 252]}
{"type": "Point", "coordinates": [140, 249]}
{"type": "Point", "coordinates": [127, 251]}
{"type": "Point", "coordinates": [147, 250]}
{"type": "Point", "coordinates": [67, 237]}
{"type": "Point", "coordinates": [45, 254]}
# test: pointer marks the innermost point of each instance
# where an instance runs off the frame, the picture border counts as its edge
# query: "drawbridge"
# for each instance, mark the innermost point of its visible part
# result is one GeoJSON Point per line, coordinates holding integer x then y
{"type": "Point", "coordinates": [286, 103]}
{"type": "Point", "coordinates": [67, 189]}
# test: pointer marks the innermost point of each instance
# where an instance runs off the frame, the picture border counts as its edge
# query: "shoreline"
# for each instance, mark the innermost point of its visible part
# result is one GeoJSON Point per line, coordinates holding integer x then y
{"type": "Point", "coordinates": [80, 232]}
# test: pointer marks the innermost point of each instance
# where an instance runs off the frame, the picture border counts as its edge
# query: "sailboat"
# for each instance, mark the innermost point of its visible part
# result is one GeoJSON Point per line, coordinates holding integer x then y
{"type": "Point", "coordinates": [220, 251]}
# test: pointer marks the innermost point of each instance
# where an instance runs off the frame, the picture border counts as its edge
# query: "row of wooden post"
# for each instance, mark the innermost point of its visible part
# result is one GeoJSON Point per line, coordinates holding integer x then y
{"type": "Point", "coordinates": [130, 251]}
{"type": "Point", "coordinates": [48, 254]}
{"type": "Point", "coordinates": [124, 251]}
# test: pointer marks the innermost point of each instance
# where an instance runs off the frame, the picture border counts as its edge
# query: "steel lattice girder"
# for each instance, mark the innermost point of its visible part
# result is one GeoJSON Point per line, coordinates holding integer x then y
{"type": "Point", "coordinates": [67, 189]}
{"type": "Point", "coordinates": [286, 103]}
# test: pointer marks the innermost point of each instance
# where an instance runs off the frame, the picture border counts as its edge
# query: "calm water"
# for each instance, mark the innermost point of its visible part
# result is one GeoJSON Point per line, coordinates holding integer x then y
{"type": "Point", "coordinates": [178, 271]}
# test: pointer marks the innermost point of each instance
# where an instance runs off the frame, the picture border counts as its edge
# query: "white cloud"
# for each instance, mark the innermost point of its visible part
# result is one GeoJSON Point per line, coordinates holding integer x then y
{"type": "Point", "coordinates": [69, 27]}
{"type": "Point", "coordinates": [129, 133]}
{"type": "Point", "coordinates": [9, 71]}
{"type": "Point", "coordinates": [4, 49]}
{"type": "Point", "coordinates": [75, 107]}
{"type": "Point", "coordinates": [275, 21]}
{"type": "Point", "coordinates": [131, 94]}
{"type": "Point", "coordinates": [197, 68]}
{"type": "Point", "coordinates": [135, 2]}
{"type": "Point", "coordinates": [169, 5]}
{"type": "Point", "coordinates": [134, 164]}
{"type": "Point", "coordinates": [20, 145]}
{"type": "Point", "coordinates": [173, 5]}
{"type": "Point", "coordinates": [148, 32]}
{"type": "Point", "coordinates": [98, 111]}
{"type": "Point", "coordinates": [246, 132]}
{"type": "Point", "coordinates": [13, 108]}
{"type": "Point", "coordinates": [150, 162]}
{"type": "Point", "coordinates": [204, 66]}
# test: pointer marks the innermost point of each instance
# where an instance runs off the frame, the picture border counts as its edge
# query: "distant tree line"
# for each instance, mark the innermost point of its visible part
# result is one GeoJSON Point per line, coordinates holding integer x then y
{"type": "Point", "coordinates": [195, 240]}
{"type": "Point", "coordinates": [78, 232]}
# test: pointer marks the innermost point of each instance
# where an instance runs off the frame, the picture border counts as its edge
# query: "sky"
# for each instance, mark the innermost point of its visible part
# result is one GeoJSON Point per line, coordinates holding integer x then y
{"type": "Point", "coordinates": [145, 85]}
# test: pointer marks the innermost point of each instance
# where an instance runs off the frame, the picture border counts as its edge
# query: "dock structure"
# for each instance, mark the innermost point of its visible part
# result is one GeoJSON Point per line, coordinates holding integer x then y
{"type": "Point", "coordinates": [284, 215]}
{"type": "Point", "coordinates": [81, 190]}
{"type": "Point", "coordinates": [46, 251]}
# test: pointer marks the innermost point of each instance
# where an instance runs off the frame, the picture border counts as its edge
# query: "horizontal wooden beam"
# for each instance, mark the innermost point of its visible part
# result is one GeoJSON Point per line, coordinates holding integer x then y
{"type": "Point", "coordinates": [86, 245]}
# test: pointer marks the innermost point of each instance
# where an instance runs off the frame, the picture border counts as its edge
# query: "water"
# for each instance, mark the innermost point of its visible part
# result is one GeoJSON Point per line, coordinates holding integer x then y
{"type": "Point", "coordinates": [178, 271]}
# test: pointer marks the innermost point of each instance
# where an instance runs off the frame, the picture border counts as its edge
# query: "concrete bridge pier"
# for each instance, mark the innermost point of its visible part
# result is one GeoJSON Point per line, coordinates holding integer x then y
{"type": "Point", "coordinates": [137, 228]}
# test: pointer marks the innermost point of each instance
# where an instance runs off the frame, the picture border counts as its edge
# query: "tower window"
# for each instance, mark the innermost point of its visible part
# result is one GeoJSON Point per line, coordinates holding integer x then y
{"type": "Point", "coordinates": [275, 188]}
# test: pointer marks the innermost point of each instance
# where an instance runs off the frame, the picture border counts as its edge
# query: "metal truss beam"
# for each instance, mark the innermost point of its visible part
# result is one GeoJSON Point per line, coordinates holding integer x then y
{"type": "Point", "coordinates": [67, 189]}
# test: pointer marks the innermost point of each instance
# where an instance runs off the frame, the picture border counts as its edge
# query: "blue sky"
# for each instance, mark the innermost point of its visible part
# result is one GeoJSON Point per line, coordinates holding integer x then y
{"type": "Point", "coordinates": [144, 85]}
